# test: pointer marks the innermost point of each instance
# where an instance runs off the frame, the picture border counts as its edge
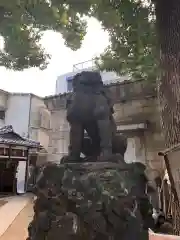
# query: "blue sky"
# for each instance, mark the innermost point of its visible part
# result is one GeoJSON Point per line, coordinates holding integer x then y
{"type": "Point", "coordinates": [42, 83]}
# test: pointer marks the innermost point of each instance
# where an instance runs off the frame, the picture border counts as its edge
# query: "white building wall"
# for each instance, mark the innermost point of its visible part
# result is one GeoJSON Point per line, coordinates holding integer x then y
{"type": "Point", "coordinates": [17, 113]}
{"type": "Point", "coordinates": [3, 105]}
{"type": "Point", "coordinates": [3, 98]}
{"type": "Point", "coordinates": [59, 136]}
{"type": "Point", "coordinates": [130, 154]}
{"type": "Point", "coordinates": [40, 118]}
{"type": "Point", "coordinates": [135, 150]}
{"type": "Point", "coordinates": [29, 117]}
{"type": "Point", "coordinates": [2, 123]}
{"type": "Point", "coordinates": [61, 84]}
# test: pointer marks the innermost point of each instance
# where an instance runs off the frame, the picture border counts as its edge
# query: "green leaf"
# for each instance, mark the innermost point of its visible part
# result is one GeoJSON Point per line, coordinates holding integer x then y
{"type": "Point", "coordinates": [130, 24]}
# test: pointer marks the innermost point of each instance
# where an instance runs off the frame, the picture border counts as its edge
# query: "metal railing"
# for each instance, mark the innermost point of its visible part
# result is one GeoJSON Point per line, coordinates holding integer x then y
{"type": "Point", "coordinates": [90, 64]}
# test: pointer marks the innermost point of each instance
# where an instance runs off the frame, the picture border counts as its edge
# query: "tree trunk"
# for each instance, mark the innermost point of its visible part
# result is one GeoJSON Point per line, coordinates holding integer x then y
{"type": "Point", "coordinates": [168, 29]}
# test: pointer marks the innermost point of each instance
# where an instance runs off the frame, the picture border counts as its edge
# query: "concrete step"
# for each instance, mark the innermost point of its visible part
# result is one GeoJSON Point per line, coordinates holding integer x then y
{"type": "Point", "coordinates": [153, 236]}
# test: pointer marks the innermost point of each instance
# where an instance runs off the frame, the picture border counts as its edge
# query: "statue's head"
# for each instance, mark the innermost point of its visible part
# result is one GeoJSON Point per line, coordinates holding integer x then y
{"type": "Point", "coordinates": [86, 78]}
{"type": "Point", "coordinates": [75, 81]}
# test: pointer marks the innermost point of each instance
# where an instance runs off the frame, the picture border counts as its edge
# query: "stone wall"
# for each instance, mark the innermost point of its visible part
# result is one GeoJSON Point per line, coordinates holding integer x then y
{"type": "Point", "coordinates": [59, 135]}
{"type": "Point", "coordinates": [150, 141]}
{"type": "Point", "coordinates": [39, 121]}
{"type": "Point", "coordinates": [135, 103]}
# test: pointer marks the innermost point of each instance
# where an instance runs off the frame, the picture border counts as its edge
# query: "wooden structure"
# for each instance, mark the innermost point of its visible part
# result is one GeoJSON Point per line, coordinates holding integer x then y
{"type": "Point", "coordinates": [171, 158]}
{"type": "Point", "coordinates": [14, 160]}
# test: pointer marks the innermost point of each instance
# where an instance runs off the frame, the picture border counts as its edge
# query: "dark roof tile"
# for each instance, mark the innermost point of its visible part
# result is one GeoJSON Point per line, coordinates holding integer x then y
{"type": "Point", "coordinates": [16, 139]}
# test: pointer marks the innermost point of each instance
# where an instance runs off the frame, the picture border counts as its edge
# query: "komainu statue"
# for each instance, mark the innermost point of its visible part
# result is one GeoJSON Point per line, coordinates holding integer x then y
{"type": "Point", "coordinates": [98, 196]}
{"type": "Point", "coordinates": [89, 108]}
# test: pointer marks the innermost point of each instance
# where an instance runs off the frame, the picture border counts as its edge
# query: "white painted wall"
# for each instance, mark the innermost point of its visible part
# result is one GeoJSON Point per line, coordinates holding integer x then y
{"type": "Point", "coordinates": [17, 113]}
{"type": "Point", "coordinates": [135, 151]}
{"type": "Point", "coordinates": [3, 104]}
{"type": "Point", "coordinates": [130, 154]}
{"type": "Point", "coordinates": [21, 176]}
{"type": "Point", "coordinates": [61, 84]}
{"type": "Point", "coordinates": [3, 98]}
{"type": "Point", "coordinates": [59, 136]}
{"type": "Point", "coordinates": [43, 138]}
{"type": "Point", "coordinates": [107, 77]}
{"type": "Point", "coordinates": [2, 123]}
{"type": "Point", "coordinates": [24, 114]}
{"type": "Point", "coordinates": [40, 118]}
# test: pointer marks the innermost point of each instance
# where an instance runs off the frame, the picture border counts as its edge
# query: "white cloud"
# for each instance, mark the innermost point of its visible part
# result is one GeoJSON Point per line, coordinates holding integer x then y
{"type": "Point", "coordinates": [43, 82]}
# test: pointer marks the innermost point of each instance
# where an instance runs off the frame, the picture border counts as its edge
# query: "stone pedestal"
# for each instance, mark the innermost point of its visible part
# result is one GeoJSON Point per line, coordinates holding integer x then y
{"type": "Point", "coordinates": [89, 201]}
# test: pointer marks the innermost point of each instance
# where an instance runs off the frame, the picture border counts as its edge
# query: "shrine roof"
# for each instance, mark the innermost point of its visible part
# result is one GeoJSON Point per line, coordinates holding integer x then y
{"type": "Point", "coordinates": [10, 137]}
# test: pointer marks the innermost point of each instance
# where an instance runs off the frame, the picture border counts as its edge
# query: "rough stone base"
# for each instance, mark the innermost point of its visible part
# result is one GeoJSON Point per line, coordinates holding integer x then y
{"type": "Point", "coordinates": [88, 201]}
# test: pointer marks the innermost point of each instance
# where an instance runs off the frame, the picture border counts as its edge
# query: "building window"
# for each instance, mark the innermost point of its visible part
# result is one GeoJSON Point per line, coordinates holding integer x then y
{"type": "Point", "coordinates": [69, 83]}
{"type": "Point", "coordinates": [2, 114]}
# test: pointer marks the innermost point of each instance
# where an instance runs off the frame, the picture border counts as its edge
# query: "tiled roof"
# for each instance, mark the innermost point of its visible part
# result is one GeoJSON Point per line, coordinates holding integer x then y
{"type": "Point", "coordinates": [6, 129]}
{"type": "Point", "coordinates": [8, 136]}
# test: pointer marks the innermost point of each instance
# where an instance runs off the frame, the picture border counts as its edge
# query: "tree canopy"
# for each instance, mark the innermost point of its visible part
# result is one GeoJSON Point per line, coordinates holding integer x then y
{"type": "Point", "coordinates": [130, 24]}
